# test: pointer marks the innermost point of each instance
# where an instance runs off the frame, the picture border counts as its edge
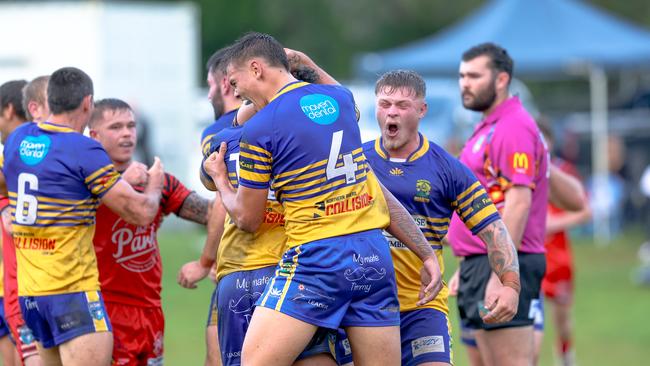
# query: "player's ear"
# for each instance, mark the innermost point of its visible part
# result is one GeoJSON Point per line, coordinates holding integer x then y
{"type": "Point", "coordinates": [256, 67]}
{"type": "Point", "coordinates": [93, 133]}
{"type": "Point", "coordinates": [423, 109]}
{"type": "Point", "coordinates": [87, 103]}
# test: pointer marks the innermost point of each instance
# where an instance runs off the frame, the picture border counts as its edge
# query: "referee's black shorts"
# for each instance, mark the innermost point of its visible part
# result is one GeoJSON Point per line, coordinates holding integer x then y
{"type": "Point", "coordinates": [474, 274]}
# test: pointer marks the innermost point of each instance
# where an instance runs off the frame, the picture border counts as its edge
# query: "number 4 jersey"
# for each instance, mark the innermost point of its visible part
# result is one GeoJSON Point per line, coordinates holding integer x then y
{"type": "Point", "coordinates": [55, 178]}
{"type": "Point", "coordinates": [306, 146]}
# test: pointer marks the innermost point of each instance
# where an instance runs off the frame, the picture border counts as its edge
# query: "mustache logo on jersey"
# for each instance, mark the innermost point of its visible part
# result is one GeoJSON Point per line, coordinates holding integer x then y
{"type": "Point", "coordinates": [369, 273]}
{"type": "Point", "coordinates": [244, 304]}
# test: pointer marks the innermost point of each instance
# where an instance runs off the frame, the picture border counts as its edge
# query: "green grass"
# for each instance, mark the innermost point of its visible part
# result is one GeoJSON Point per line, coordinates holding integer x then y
{"type": "Point", "coordinates": [611, 324]}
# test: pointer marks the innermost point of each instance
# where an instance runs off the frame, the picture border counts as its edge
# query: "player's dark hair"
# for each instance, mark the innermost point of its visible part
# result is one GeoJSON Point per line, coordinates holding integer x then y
{"type": "Point", "coordinates": [67, 88]}
{"type": "Point", "coordinates": [218, 62]}
{"type": "Point", "coordinates": [262, 45]}
{"type": "Point", "coordinates": [11, 93]}
{"type": "Point", "coordinates": [393, 80]}
{"type": "Point", "coordinates": [306, 74]}
{"type": "Point", "coordinates": [500, 61]}
{"type": "Point", "coordinates": [108, 104]}
{"type": "Point", "coordinates": [36, 91]}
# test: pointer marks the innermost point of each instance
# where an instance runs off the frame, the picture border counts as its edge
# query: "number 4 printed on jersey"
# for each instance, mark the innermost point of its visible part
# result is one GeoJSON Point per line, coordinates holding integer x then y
{"type": "Point", "coordinates": [349, 166]}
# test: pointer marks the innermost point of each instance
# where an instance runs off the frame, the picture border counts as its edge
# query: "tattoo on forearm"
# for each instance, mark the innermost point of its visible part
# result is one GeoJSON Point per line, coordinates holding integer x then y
{"type": "Point", "coordinates": [502, 254]}
{"type": "Point", "coordinates": [195, 208]}
{"type": "Point", "coordinates": [401, 221]}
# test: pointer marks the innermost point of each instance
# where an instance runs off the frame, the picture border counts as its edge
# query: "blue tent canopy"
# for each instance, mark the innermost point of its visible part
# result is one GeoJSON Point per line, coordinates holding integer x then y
{"type": "Point", "coordinates": [543, 37]}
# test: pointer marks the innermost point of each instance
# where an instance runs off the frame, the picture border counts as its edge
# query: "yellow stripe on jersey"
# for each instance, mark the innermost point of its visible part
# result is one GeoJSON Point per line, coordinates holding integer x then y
{"type": "Point", "coordinates": [98, 172]}
{"type": "Point", "coordinates": [422, 150]}
{"type": "Point", "coordinates": [288, 89]}
{"type": "Point", "coordinates": [292, 272]}
{"type": "Point", "coordinates": [358, 176]}
{"type": "Point", "coordinates": [300, 171]}
{"type": "Point", "coordinates": [50, 127]}
{"type": "Point", "coordinates": [86, 201]}
{"type": "Point", "coordinates": [244, 154]}
{"type": "Point", "coordinates": [97, 311]}
{"type": "Point", "coordinates": [2, 160]}
{"type": "Point", "coordinates": [479, 216]}
{"type": "Point", "coordinates": [461, 196]}
{"type": "Point", "coordinates": [378, 149]}
{"type": "Point", "coordinates": [479, 193]}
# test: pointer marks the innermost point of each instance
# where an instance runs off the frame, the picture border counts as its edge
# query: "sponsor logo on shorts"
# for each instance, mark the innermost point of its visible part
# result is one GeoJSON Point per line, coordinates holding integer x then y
{"type": "Point", "coordinates": [233, 354]}
{"type": "Point", "coordinates": [313, 297]}
{"type": "Point", "coordinates": [422, 191]}
{"type": "Point", "coordinates": [70, 320]}
{"type": "Point", "coordinates": [368, 273]}
{"type": "Point", "coordinates": [157, 350]}
{"type": "Point", "coordinates": [157, 361]}
{"type": "Point", "coordinates": [347, 350]}
{"type": "Point", "coordinates": [245, 283]}
{"type": "Point", "coordinates": [31, 304]}
{"type": "Point", "coordinates": [96, 310]}
{"type": "Point", "coordinates": [427, 344]}
{"type": "Point", "coordinates": [33, 150]}
{"type": "Point", "coordinates": [274, 292]}
{"type": "Point", "coordinates": [244, 305]}
{"type": "Point", "coordinates": [135, 247]}
{"type": "Point", "coordinates": [320, 108]}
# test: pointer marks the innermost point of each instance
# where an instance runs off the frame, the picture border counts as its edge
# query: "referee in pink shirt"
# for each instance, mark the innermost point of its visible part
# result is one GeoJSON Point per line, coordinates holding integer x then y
{"type": "Point", "coordinates": [508, 155]}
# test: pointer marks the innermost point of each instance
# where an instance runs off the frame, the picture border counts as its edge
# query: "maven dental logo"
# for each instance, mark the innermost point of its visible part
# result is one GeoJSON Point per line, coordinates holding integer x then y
{"type": "Point", "coordinates": [33, 149]}
{"type": "Point", "coordinates": [320, 108]}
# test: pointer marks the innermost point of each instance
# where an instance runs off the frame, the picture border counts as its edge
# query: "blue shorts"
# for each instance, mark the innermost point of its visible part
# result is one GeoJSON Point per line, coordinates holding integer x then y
{"type": "Point", "coordinates": [235, 298]}
{"type": "Point", "coordinates": [425, 335]}
{"type": "Point", "coordinates": [4, 326]}
{"type": "Point", "coordinates": [342, 281]}
{"type": "Point", "coordinates": [467, 333]}
{"type": "Point", "coordinates": [56, 319]}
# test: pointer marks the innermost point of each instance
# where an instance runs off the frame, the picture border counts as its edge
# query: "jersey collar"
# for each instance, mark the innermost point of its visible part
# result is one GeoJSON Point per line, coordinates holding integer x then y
{"type": "Point", "coordinates": [289, 87]}
{"type": "Point", "coordinates": [418, 153]}
{"type": "Point", "coordinates": [49, 126]}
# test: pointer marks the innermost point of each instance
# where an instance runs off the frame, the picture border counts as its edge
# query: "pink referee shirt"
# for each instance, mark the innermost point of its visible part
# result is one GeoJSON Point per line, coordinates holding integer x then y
{"type": "Point", "coordinates": [506, 149]}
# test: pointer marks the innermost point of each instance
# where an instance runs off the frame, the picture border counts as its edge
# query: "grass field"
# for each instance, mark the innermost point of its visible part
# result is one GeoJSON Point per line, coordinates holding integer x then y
{"type": "Point", "coordinates": [610, 311]}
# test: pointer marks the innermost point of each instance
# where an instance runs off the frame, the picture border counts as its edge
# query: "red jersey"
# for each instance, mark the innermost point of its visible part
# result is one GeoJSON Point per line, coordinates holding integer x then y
{"type": "Point", "coordinates": [9, 279]}
{"type": "Point", "coordinates": [559, 241]}
{"type": "Point", "coordinates": [128, 256]}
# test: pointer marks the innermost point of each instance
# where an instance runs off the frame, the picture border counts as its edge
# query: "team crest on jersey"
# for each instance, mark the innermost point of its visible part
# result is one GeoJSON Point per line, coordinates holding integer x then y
{"type": "Point", "coordinates": [34, 149]}
{"type": "Point", "coordinates": [397, 172]}
{"type": "Point", "coordinates": [422, 190]}
{"type": "Point", "coordinates": [96, 310]}
{"type": "Point", "coordinates": [478, 144]}
{"type": "Point", "coordinates": [320, 108]}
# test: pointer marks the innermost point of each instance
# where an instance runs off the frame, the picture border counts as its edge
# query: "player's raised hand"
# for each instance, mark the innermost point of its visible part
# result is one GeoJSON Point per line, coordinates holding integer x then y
{"type": "Point", "coordinates": [156, 174]}
{"type": "Point", "coordinates": [431, 280]}
{"type": "Point", "coordinates": [136, 174]}
{"type": "Point", "coordinates": [501, 302]}
{"type": "Point", "coordinates": [215, 165]}
{"type": "Point", "coordinates": [191, 273]}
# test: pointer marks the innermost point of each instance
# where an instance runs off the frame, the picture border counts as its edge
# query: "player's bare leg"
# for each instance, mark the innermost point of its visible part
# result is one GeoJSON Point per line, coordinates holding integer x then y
{"type": "Point", "coordinates": [538, 339]}
{"type": "Point", "coordinates": [8, 351]}
{"type": "Point", "coordinates": [49, 356]}
{"type": "Point", "coordinates": [375, 345]}
{"type": "Point", "coordinates": [506, 347]}
{"type": "Point", "coordinates": [474, 356]}
{"type": "Point", "coordinates": [213, 353]}
{"type": "Point", "coordinates": [33, 360]}
{"type": "Point", "coordinates": [316, 360]}
{"type": "Point", "coordinates": [274, 338]}
{"type": "Point", "coordinates": [562, 319]}
{"type": "Point", "coordinates": [93, 349]}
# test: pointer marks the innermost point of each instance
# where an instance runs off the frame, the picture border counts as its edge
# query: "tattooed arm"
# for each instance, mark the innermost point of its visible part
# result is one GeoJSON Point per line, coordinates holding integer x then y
{"type": "Point", "coordinates": [195, 208]}
{"type": "Point", "coordinates": [404, 229]}
{"type": "Point", "coordinates": [501, 253]}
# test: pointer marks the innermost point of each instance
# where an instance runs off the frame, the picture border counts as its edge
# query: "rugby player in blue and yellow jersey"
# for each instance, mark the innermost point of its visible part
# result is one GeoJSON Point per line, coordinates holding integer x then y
{"type": "Point", "coordinates": [56, 178]}
{"type": "Point", "coordinates": [304, 143]}
{"type": "Point", "coordinates": [431, 185]}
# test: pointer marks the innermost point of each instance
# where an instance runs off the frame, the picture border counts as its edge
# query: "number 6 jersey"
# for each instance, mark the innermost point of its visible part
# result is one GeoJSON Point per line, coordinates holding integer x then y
{"type": "Point", "coordinates": [306, 146]}
{"type": "Point", "coordinates": [55, 178]}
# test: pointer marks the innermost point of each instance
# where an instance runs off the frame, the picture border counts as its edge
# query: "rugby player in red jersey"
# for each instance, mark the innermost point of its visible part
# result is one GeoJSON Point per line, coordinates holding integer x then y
{"type": "Point", "coordinates": [128, 256]}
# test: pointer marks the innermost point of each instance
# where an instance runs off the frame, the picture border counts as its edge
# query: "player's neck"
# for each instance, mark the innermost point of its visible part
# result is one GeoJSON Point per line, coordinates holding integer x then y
{"type": "Point", "coordinates": [405, 150]}
{"type": "Point", "coordinates": [277, 80]}
{"type": "Point", "coordinates": [122, 166]}
{"type": "Point", "coordinates": [501, 97]}
{"type": "Point", "coordinates": [75, 120]}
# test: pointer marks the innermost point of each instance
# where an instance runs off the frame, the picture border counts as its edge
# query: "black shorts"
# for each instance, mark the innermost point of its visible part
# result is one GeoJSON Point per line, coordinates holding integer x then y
{"type": "Point", "coordinates": [474, 274]}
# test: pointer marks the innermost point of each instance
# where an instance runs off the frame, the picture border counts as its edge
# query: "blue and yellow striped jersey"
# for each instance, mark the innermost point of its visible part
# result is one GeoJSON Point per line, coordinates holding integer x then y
{"type": "Point", "coordinates": [224, 121]}
{"type": "Point", "coordinates": [431, 185]}
{"type": "Point", "coordinates": [240, 250]}
{"type": "Point", "coordinates": [55, 178]}
{"type": "Point", "coordinates": [306, 146]}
